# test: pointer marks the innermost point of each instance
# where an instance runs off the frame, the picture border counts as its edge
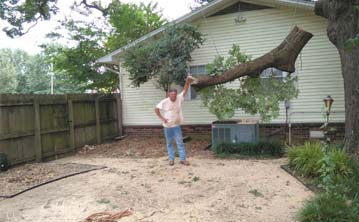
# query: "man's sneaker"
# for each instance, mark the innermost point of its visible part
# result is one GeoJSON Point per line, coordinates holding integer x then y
{"type": "Point", "coordinates": [171, 163]}
{"type": "Point", "coordinates": [185, 162]}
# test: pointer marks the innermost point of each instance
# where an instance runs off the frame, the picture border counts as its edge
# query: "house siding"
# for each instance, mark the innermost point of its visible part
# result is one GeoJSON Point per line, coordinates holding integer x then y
{"type": "Point", "coordinates": [318, 67]}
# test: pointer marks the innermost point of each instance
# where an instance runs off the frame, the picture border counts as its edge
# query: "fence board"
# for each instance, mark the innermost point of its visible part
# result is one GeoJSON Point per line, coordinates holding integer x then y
{"type": "Point", "coordinates": [41, 126]}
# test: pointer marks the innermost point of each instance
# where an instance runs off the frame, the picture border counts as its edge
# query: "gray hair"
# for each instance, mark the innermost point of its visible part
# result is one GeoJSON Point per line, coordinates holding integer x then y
{"type": "Point", "coordinates": [172, 90]}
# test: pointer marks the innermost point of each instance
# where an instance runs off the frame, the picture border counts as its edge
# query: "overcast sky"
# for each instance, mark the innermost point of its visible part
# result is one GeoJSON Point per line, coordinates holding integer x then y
{"type": "Point", "coordinates": [171, 9]}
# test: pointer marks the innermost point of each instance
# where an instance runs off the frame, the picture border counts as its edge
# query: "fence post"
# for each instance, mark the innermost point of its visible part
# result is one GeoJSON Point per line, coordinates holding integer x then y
{"type": "Point", "coordinates": [71, 124]}
{"type": "Point", "coordinates": [98, 123]}
{"type": "Point", "coordinates": [119, 114]}
{"type": "Point", "coordinates": [38, 145]}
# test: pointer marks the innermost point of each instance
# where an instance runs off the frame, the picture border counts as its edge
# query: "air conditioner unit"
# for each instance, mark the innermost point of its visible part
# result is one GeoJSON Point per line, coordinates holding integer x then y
{"type": "Point", "coordinates": [235, 131]}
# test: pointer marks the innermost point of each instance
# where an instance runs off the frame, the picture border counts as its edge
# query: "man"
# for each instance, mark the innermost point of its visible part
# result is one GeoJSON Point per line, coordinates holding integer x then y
{"type": "Point", "coordinates": [171, 119]}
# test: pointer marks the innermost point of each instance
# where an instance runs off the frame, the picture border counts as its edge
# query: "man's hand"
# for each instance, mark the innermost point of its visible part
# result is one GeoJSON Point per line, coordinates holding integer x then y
{"type": "Point", "coordinates": [190, 79]}
{"type": "Point", "coordinates": [157, 111]}
{"type": "Point", "coordinates": [164, 120]}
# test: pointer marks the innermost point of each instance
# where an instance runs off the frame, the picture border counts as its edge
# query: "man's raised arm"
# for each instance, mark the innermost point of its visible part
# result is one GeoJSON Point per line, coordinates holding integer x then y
{"type": "Point", "coordinates": [188, 82]}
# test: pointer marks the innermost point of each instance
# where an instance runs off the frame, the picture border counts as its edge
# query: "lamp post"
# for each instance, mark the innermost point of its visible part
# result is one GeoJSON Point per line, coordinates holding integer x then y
{"type": "Point", "coordinates": [328, 101]}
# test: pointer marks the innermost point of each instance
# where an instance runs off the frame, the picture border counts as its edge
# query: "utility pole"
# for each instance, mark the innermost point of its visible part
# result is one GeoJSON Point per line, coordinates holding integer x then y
{"type": "Point", "coordinates": [52, 78]}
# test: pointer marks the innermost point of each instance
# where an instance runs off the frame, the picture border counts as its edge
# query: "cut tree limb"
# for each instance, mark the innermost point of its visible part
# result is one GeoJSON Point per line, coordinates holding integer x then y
{"type": "Point", "coordinates": [283, 57]}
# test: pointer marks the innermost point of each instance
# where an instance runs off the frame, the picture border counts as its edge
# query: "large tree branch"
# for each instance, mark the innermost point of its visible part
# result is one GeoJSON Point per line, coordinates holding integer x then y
{"type": "Point", "coordinates": [94, 5]}
{"type": "Point", "coordinates": [283, 57]}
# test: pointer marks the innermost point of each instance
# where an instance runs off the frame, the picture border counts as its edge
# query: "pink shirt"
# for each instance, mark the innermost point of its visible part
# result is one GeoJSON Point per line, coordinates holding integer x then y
{"type": "Point", "coordinates": [172, 111]}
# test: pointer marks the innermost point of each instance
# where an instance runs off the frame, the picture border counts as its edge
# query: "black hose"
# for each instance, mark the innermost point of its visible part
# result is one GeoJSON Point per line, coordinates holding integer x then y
{"type": "Point", "coordinates": [50, 181]}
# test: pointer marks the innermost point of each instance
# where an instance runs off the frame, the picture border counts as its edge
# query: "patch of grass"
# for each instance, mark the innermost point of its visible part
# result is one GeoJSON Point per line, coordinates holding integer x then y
{"type": "Point", "coordinates": [183, 182]}
{"type": "Point", "coordinates": [327, 208]}
{"type": "Point", "coordinates": [264, 148]}
{"type": "Point", "coordinates": [195, 179]}
{"type": "Point", "coordinates": [256, 193]}
{"type": "Point", "coordinates": [103, 201]}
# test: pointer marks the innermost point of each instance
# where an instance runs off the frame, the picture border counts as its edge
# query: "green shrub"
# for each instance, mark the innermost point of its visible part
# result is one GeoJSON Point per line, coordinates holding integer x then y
{"type": "Point", "coordinates": [338, 174]}
{"type": "Point", "coordinates": [263, 148]}
{"type": "Point", "coordinates": [335, 167]}
{"type": "Point", "coordinates": [328, 208]}
{"type": "Point", "coordinates": [306, 159]}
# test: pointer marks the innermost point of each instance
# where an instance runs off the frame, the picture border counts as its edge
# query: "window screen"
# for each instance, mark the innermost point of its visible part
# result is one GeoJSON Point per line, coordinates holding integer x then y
{"type": "Point", "coordinates": [198, 70]}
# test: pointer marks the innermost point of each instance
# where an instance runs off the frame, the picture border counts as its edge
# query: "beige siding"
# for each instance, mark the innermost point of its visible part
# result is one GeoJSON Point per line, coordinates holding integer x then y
{"type": "Point", "coordinates": [318, 67]}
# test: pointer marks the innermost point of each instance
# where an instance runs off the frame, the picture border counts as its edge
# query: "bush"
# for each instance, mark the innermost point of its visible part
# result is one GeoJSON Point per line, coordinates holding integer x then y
{"type": "Point", "coordinates": [328, 208]}
{"type": "Point", "coordinates": [306, 159]}
{"type": "Point", "coordinates": [335, 167]}
{"type": "Point", "coordinates": [263, 148]}
{"type": "Point", "coordinates": [337, 173]}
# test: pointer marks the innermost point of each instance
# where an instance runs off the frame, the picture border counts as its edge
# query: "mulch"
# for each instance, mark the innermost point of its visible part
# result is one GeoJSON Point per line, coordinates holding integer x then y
{"type": "Point", "coordinates": [146, 147]}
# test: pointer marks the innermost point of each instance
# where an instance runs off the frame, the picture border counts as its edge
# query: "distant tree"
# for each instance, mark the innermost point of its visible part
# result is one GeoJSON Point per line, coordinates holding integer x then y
{"type": "Point", "coordinates": [24, 73]}
{"type": "Point", "coordinates": [8, 81]}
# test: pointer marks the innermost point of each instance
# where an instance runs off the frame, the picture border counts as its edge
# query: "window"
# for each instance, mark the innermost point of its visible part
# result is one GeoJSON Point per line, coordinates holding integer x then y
{"type": "Point", "coordinates": [191, 94]}
{"type": "Point", "coordinates": [273, 73]}
{"type": "Point", "coordinates": [198, 70]}
{"type": "Point", "coordinates": [195, 70]}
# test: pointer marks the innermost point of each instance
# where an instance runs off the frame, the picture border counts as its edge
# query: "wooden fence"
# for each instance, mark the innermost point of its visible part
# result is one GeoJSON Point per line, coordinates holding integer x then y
{"type": "Point", "coordinates": [36, 127]}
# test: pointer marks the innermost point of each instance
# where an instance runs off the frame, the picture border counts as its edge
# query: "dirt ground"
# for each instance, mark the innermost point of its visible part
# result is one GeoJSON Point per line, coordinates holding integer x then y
{"type": "Point", "coordinates": [210, 189]}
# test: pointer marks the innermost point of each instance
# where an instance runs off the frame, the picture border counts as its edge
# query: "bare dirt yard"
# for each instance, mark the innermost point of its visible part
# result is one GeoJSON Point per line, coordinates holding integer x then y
{"type": "Point", "coordinates": [139, 178]}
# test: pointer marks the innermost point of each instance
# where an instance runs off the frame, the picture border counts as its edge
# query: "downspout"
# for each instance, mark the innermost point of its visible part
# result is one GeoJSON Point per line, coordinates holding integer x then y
{"type": "Point", "coordinates": [119, 100]}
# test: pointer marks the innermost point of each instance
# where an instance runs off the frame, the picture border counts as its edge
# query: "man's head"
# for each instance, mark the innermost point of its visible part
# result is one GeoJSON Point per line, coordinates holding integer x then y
{"type": "Point", "coordinates": [172, 94]}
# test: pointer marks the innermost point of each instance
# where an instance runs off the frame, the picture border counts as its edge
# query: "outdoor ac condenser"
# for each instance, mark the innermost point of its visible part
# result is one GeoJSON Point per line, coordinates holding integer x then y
{"type": "Point", "coordinates": [235, 131]}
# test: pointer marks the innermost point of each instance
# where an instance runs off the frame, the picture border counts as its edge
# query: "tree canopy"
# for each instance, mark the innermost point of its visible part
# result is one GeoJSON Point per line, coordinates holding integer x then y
{"type": "Point", "coordinates": [122, 24]}
{"type": "Point", "coordinates": [164, 59]}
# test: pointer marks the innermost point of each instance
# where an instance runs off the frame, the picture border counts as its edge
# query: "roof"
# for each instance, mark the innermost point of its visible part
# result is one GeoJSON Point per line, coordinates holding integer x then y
{"type": "Point", "coordinates": [207, 10]}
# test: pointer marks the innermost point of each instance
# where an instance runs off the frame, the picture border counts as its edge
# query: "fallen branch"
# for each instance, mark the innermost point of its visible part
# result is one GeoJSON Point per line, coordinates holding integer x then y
{"type": "Point", "coordinates": [283, 57]}
{"type": "Point", "coordinates": [108, 217]}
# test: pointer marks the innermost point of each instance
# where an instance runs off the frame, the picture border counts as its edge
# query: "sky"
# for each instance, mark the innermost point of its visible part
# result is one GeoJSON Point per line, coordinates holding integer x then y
{"type": "Point", "coordinates": [171, 9]}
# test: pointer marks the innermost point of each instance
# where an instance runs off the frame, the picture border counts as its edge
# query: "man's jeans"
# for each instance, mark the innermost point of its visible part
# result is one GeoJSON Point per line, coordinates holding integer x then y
{"type": "Point", "coordinates": [176, 134]}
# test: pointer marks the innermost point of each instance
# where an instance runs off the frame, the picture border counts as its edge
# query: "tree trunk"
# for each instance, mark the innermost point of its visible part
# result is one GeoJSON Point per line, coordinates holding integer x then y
{"type": "Point", "coordinates": [343, 17]}
{"type": "Point", "coordinates": [283, 57]}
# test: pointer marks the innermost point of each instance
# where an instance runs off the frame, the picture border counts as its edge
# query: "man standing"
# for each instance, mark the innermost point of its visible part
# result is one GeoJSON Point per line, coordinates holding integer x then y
{"type": "Point", "coordinates": [172, 118]}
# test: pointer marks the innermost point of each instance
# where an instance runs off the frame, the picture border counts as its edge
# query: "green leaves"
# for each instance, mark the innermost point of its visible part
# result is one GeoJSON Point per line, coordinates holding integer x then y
{"type": "Point", "coordinates": [163, 59]}
{"type": "Point", "coordinates": [24, 73]}
{"type": "Point", "coordinates": [352, 43]}
{"type": "Point", "coordinates": [122, 24]}
{"type": "Point", "coordinates": [254, 95]}
{"type": "Point", "coordinates": [19, 13]}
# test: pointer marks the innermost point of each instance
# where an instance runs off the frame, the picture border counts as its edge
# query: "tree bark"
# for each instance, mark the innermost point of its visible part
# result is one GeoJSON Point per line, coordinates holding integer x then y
{"type": "Point", "coordinates": [283, 57]}
{"type": "Point", "coordinates": [343, 24]}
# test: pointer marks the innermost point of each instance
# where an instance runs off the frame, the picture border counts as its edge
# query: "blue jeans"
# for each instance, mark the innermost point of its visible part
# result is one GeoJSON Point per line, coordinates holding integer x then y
{"type": "Point", "coordinates": [176, 134]}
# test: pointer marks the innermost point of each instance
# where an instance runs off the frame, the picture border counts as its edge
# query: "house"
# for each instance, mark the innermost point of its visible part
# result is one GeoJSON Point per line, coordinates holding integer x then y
{"type": "Point", "coordinates": [257, 26]}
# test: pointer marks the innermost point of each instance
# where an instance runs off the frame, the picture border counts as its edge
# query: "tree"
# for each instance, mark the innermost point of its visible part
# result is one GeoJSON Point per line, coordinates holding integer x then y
{"type": "Point", "coordinates": [36, 76]}
{"type": "Point", "coordinates": [8, 81]}
{"type": "Point", "coordinates": [282, 57]}
{"type": "Point", "coordinates": [255, 95]}
{"type": "Point", "coordinates": [343, 32]}
{"type": "Point", "coordinates": [24, 15]}
{"type": "Point", "coordinates": [164, 59]}
{"type": "Point", "coordinates": [18, 13]}
{"type": "Point", "coordinates": [24, 73]}
{"type": "Point", "coordinates": [122, 24]}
